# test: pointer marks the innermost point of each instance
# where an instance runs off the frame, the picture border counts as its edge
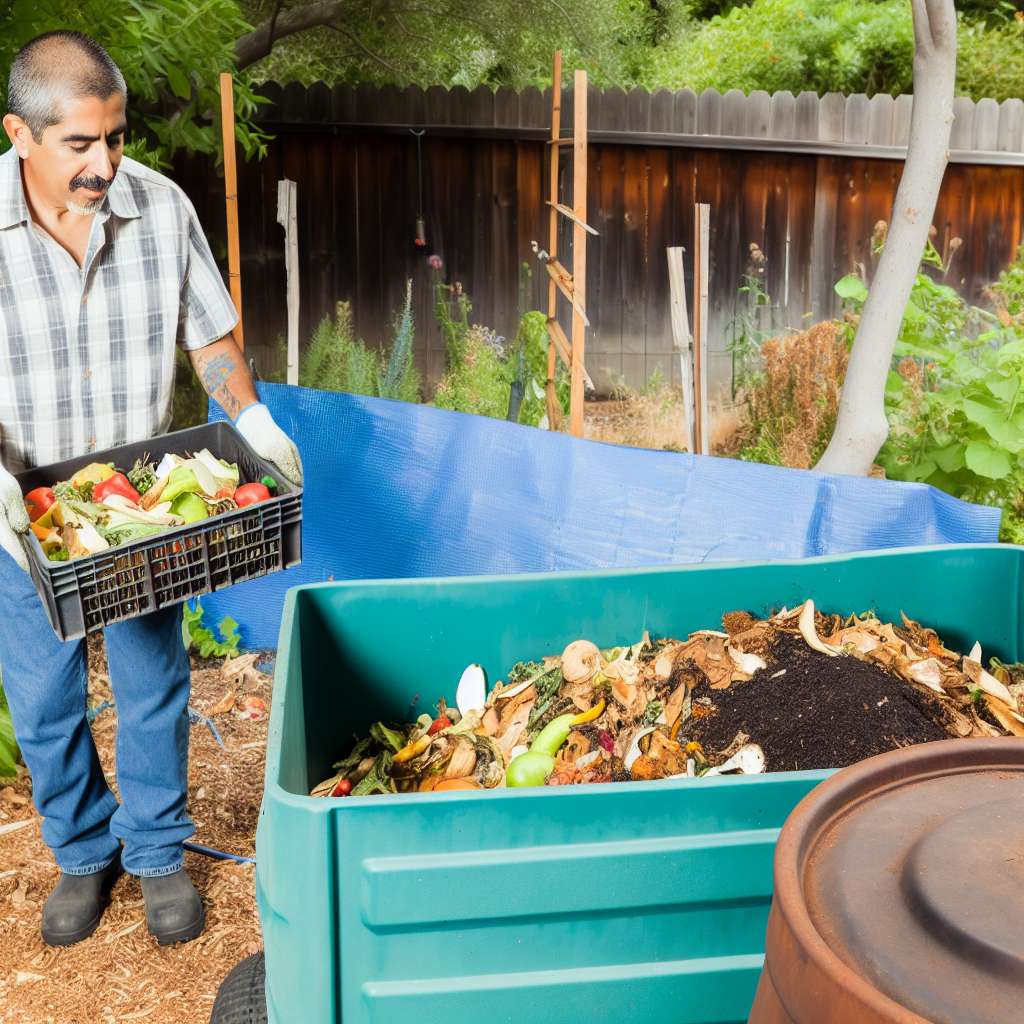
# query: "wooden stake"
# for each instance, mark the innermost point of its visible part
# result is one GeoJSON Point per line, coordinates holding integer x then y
{"type": "Point", "coordinates": [227, 124]}
{"type": "Point", "coordinates": [579, 250]}
{"type": "Point", "coordinates": [701, 259]}
{"type": "Point", "coordinates": [553, 408]}
{"type": "Point", "coordinates": [681, 339]}
{"type": "Point", "coordinates": [287, 217]}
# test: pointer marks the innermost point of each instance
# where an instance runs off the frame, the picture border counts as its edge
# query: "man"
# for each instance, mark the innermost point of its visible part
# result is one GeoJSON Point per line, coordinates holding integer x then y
{"type": "Point", "coordinates": [104, 270]}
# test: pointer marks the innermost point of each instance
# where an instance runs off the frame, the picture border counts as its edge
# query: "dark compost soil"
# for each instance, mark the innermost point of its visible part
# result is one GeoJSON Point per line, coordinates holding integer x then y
{"type": "Point", "coordinates": [824, 712]}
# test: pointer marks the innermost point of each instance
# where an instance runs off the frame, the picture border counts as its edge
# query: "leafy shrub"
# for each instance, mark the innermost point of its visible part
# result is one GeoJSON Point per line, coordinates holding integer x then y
{"type": "Point", "coordinates": [825, 46]}
{"type": "Point", "coordinates": [483, 368]}
{"type": "Point", "coordinates": [954, 401]}
{"type": "Point", "coordinates": [336, 360]}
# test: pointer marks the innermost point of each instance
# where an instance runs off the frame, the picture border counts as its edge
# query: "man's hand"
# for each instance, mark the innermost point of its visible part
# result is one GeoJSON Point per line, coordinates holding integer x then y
{"type": "Point", "coordinates": [13, 518]}
{"type": "Point", "coordinates": [270, 442]}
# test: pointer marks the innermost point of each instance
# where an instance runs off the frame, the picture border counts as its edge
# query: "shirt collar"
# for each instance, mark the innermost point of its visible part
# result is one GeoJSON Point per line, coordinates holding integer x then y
{"type": "Point", "coordinates": [120, 197]}
{"type": "Point", "coordinates": [14, 209]}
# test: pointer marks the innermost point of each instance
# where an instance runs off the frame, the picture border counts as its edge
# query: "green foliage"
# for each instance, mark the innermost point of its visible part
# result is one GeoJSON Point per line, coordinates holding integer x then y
{"type": "Point", "coordinates": [170, 52]}
{"type": "Point", "coordinates": [821, 45]}
{"type": "Point", "coordinates": [824, 46]}
{"type": "Point", "coordinates": [8, 744]}
{"type": "Point", "coordinates": [195, 635]}
{"type": "Point", "coordinates": [1008, 291]}
{"type": "Point", "coordinates": [336, 360]}
{"type": "Point", "coordinates": [990, 59]}
{"type": "Point", "coordinates": [460, 42]}
{"type": "Point", "coordinates": [530, 355]}
{"type": "Point", "coordinates": [479, 380]}
{"type": "Point", "coordinates": [482, 367]}
{"type": "Point", "coordinates": [956, 401]}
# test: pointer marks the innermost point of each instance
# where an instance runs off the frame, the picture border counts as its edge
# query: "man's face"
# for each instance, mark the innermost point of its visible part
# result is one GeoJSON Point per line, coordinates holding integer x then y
{"type": "Point", "coordinates": [75, 162]}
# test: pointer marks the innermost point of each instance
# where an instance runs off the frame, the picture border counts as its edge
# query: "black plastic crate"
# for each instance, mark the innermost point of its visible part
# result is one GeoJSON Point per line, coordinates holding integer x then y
{"type": "Point", "coordinates": [88, 593]}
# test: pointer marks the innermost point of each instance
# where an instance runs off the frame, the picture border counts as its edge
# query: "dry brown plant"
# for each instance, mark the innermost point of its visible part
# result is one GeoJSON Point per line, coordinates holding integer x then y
{"type": "Point", "coordinates": [791, 408]}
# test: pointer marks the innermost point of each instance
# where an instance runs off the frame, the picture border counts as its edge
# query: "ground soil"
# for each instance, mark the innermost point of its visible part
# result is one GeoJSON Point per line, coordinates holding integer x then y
{"type": "Point", "coordinates": [824, 712]}
{"type": "Point", "coordinates": [120, 973]}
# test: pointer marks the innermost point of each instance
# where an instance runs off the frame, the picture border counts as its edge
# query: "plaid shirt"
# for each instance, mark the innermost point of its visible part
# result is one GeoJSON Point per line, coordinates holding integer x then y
{"type": "Point", "coordinates": [87, 354]}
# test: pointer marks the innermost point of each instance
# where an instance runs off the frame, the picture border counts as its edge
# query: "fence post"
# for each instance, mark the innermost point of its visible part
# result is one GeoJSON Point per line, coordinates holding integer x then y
{"type": "Point", "coordinates": [681, 338]}
{"type": "Point", "coordinates": [701, 263]}
{"type": "Point", "coordinates": [287, 217]}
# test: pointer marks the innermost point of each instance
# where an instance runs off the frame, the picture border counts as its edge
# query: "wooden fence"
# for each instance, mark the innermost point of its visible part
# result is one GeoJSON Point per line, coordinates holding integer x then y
{"type": "Point", "coordinates": [804, 179]}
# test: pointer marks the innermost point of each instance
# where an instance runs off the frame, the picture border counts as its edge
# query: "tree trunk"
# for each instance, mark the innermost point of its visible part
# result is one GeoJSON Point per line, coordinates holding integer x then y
{"type": "Point", "coordinates": [861, 426]}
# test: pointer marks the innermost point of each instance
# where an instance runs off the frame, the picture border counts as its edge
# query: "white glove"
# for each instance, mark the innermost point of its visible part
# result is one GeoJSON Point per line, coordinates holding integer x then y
{"type": "Point", "coordinates": [270, 442]}
{"type": "Point", "coordinates": [13, 518]}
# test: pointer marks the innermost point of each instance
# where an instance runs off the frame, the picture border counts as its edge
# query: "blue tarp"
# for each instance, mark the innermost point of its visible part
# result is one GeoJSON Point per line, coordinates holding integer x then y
{"type": "Point", "coordinates": [394, 490]}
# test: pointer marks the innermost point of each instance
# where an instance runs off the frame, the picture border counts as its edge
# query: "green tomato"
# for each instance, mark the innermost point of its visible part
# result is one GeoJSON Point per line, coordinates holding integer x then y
{"type": "Point", "coordinates": [529, 769]}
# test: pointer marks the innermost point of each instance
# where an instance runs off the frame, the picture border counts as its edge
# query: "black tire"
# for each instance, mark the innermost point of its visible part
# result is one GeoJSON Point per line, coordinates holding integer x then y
{"type": "Point", "coordinates": [242, 996]}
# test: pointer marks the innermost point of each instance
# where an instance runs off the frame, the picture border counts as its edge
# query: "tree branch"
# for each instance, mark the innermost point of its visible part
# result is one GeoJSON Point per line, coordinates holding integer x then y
{"type": "Point", "coordinates": [363, 48]}
{"type": "Point", "coordinates": [257, 44]}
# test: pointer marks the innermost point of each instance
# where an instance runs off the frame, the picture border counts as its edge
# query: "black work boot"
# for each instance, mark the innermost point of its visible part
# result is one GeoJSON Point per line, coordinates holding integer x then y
{"type": "Point", "coordinates": [75, 906]}
{"type": "Point", "coordinates": [174, 911]}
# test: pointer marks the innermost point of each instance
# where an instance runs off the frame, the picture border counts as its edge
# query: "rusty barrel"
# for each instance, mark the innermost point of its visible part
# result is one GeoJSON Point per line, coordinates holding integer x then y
{"type": "Point", "coordinates": [899, 893]}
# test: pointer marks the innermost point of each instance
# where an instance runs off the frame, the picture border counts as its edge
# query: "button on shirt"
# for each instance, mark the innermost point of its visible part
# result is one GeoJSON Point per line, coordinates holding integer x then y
{"type": "Point", "coordinates": [87, 354]}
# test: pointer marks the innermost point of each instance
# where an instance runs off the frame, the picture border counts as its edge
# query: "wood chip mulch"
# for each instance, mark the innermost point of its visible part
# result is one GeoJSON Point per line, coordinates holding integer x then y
{"type": "Point", "coordinates": [120, 974]}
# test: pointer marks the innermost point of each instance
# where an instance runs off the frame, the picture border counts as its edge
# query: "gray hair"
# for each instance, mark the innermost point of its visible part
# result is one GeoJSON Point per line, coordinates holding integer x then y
{"type": "Point", "coordinates": [56, 67]}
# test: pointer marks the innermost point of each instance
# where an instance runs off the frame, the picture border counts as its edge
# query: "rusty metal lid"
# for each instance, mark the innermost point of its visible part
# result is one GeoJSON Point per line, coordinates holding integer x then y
{"type": "Point", "coordinates": [901, 880]}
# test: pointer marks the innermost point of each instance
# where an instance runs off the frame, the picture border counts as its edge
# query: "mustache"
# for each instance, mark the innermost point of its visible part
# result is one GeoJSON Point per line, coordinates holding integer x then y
{"type": "Point", "coordinates": [93, 182]}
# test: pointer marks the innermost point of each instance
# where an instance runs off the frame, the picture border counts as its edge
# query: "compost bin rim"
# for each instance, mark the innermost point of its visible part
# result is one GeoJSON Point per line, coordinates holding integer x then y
{"type": "Point", "coordinates": [835, 796]}
{"type": "Point", "coordinates": [587, 789]}
{"type": "Point", "coordinates": [642, 570]}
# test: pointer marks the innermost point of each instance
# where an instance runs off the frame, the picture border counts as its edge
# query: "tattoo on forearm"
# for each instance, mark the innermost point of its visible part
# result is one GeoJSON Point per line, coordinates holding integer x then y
{"type": "Point", "coordinates": [215, 376]}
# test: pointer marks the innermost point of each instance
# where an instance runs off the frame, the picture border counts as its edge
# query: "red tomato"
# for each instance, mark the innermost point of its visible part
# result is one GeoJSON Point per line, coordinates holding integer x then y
{"type": "Point", "coordinates": [438, 724]}
{"type": "Point", "coordinates": [38, 501]}
{"type": "Point", "coordinates": [343, 788]}
{"type": "Point", "coordinates": [250, 494]}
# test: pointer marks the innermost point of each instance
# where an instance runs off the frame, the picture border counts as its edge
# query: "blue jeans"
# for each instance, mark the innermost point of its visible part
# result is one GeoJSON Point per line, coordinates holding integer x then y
{"type": "Point", "coordinates": [45, 683]}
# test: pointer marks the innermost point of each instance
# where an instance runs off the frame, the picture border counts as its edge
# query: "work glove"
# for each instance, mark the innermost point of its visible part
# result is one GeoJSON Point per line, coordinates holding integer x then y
{"type": "Point", "coordinates": [13, 518]}
{"type": "Point", "coordinates": [270, 442]}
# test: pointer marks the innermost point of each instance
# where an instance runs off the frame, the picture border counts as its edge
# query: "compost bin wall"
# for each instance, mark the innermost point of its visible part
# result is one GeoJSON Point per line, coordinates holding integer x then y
{"type": "Point", "coordinates": [805, 178]}
{"type": "Point", "coordinates": [641, 901]}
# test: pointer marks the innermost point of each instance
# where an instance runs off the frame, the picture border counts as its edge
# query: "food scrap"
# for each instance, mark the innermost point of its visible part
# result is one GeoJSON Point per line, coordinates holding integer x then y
{"type": "Point", "coordinates": [101, 507]}
{"type": "Point", "coordinates": [798, 690]}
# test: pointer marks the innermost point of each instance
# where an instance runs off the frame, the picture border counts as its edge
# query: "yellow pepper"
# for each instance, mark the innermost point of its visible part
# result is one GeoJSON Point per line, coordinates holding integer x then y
{"type": "Point", "coordinates": [414, 749]}
{"type": "Point", "coordinates": [94, 473]}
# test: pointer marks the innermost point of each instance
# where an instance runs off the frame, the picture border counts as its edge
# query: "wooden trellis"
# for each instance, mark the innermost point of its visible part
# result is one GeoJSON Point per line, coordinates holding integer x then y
{"type": "Point", "coordinates": [573, 286]}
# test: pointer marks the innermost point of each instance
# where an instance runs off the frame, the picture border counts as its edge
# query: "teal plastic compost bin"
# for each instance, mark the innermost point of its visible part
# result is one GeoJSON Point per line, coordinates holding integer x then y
{"type": "Point", "coordinates": [618, 903]}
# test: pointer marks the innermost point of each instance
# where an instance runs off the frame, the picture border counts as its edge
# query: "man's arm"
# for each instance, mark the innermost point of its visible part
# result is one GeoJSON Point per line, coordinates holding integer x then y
{"type": "Point", "coordinates": [225, 377]}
